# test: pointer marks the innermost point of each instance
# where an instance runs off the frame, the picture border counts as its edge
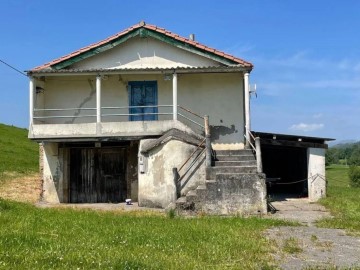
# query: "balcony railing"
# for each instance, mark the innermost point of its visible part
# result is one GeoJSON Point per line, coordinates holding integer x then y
{"type": "Point", "coordinates": [118, 114]}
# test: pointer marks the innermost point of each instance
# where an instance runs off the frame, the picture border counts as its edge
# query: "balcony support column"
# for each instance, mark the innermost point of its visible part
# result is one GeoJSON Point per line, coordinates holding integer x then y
{"type": "Point", "coordinates": [247, 108]}
{"type": "Point", "coordinates": [175, 105]}
{"type": "Point", "coordinates": [32, 91]}
{"type": "Point", "coordinates": [98, 99]}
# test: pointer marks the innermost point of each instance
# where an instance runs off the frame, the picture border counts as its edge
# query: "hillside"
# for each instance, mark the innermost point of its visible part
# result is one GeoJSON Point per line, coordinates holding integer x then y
{"type": "Point", "coordinates": [18, 154]}
{"type": "Point", "coordinates": [19, 179]}
{"type": "Point", "coordinates": [344, 153]}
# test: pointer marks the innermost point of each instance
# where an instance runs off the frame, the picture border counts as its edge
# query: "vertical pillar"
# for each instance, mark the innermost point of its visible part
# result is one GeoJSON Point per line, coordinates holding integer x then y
{"type": "Point", "coordinates": [175, 105]}
{"type": "Point", "coordinates": [247, 107]}
{"type": "Point", "coordinates": [32, 90]}
{"type": "Point", "coordinates": [98, 99]}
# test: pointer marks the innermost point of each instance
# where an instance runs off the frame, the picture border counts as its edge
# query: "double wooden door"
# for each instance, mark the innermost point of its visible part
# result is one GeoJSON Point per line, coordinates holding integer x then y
{"type": "Point", "coordinates": [97, 175]}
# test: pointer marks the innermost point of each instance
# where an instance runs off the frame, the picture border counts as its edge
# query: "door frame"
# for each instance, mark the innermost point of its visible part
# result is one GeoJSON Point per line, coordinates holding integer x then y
{"type": "Point", "coordinates": [130, 96]}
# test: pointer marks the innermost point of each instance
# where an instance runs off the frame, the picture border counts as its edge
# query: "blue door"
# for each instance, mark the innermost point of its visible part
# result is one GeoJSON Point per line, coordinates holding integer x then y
{"type": "Point", "coordinates": [143, 101]}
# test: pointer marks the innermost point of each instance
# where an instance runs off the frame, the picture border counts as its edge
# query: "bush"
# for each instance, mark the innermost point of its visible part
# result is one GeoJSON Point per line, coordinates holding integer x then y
{"type": "Point", "coordinates": [354, 175]}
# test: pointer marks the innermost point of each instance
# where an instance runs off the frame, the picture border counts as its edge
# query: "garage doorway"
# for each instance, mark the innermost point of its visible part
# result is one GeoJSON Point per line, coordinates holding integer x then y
{"type": "Point", "coordinates": [286, 171]}
{"type": "Point", "coordinates": [98, 175]}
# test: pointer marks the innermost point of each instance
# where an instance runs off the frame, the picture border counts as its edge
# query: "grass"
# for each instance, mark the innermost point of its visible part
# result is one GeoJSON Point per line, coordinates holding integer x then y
{"type": "Point", "coordinates": [64, 238]}
{"type": "Point", "coordinates": [342, 200]}
{"type": "Point", "coordinates": [292, 246]}
{"type": "Point", "coordinates": [19, 156]}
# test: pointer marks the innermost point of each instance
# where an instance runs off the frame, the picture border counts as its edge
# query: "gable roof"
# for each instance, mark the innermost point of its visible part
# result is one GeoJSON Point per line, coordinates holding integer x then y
{"type": "Point", "coordinates": [142, 29]}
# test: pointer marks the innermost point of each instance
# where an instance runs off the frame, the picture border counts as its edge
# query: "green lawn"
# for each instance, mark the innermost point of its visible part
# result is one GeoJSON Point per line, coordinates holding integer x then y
{"type": "Point", "coordinates": [342, 200]}
{"type": "Point", "coordinates": [18, 154]}
{"type": "Point", "coordinates": [32, 238]}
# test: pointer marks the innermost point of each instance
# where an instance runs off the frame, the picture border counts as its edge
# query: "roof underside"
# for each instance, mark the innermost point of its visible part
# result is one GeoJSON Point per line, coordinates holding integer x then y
{"type": "Point", "coordinates": [277, 139]}
{"type": "Point", "coordinates": [144, 30]}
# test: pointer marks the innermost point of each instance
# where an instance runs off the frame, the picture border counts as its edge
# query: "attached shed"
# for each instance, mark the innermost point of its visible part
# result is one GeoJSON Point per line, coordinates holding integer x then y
{"type": "Point", "coordinates": [294, 165]}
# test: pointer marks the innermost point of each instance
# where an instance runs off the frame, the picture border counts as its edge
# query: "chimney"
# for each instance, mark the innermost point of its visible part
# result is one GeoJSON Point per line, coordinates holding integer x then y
{"type": "Point", "coordinates": [192, 37]}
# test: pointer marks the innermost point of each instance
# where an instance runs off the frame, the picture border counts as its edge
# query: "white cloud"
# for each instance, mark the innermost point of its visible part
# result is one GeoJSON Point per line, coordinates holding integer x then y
{"type": "Point", "coordinates": [306, 127]}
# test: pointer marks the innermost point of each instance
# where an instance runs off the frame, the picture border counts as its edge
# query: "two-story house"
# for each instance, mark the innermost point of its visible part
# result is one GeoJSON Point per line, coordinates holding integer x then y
{"type": "Point", "coordinates": [150, 116]}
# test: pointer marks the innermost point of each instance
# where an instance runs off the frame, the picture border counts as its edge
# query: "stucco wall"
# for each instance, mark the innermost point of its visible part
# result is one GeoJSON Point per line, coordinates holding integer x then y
{"type": "Point", "coordinates": [218, 95]}
{"type": "Point", "coordinates": [53, 178]}
{"type": "Point", "coordinates": [144, 53]}
{"type": "Point", "coordinates": [316, 174]}
{"type": "Point", "coordinates": [156, 185]}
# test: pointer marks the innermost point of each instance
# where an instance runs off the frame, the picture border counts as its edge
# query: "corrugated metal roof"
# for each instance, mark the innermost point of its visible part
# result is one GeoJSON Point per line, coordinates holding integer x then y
{"type": "Point", "coordinates": [155, 28]}
{"type": "Point", "coordinates": [129, 70]}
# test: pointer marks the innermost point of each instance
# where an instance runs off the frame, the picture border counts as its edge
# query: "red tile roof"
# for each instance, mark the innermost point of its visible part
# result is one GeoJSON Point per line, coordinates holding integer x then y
{"type": "Point", "coordinates": [150, 27]}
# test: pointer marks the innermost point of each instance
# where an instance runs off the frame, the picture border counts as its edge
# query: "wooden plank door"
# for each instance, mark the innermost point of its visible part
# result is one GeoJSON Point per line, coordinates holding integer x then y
{"type": "Point", "coordinates": [112, 182]}
{"type": "Point", "coordinates": [97, 175]}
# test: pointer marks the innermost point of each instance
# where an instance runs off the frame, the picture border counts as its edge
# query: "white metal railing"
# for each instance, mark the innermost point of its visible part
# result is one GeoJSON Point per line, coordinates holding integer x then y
{"type": "Point", "coordinates": [119, 112]}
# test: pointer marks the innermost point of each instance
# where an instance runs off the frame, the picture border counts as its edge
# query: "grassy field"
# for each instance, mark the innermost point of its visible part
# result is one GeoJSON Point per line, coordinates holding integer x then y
{"type": "Point", "coordinates": [19, 156]}
{"type": "Point", "coordinates": [73, 239]}
{"type": "Point", "coordinates": [342, 200]}
{"type": "Point", "coordinates": [34, 238]}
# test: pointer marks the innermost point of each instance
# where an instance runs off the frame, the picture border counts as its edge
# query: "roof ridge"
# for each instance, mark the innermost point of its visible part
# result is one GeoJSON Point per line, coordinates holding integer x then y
{"type": "Point", "coordinates": [151, 27]}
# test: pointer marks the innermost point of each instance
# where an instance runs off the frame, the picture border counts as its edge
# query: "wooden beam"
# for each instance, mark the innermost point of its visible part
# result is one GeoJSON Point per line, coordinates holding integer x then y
{"type": "Point", "coordinates": [293, 143]}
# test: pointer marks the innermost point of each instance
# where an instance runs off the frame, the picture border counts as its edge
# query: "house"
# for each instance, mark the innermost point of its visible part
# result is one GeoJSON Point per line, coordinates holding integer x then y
{"type": "Point", "coordinates": [150, 116]}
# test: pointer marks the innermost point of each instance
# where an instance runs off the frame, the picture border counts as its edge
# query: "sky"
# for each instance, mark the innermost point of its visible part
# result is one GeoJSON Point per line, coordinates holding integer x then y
{"type": "Point", "coordinates": [306, 54]}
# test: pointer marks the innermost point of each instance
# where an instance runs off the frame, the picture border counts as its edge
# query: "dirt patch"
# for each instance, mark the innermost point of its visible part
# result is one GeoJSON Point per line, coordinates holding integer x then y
{"type": "Point", "coordinates": [309, 247]}
{"type": "Point", "coordinates": [22, 188]}
{"type": "Point", "coordinates": [315, 248]}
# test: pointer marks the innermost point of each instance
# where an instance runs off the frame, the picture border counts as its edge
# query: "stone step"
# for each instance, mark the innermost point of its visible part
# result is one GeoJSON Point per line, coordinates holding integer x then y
{"type": "Point", "coordinates": [246, 152]}
{"type": "Point", "coordinates": [191, 196]}
{"type": "Point", "coordinates": [212, 171]}
{"type": "Point", "coordinates": [181, 200]}
{"type": "Point", "coordinates": [234, 157]}
{"type": "Point", "coordinates": [235, 163]}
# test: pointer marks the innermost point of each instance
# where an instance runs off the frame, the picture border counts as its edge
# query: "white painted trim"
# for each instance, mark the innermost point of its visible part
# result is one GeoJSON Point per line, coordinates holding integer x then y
{"type": "Point", "coordinates": [247, 106]}
{"type": "Point", "coordinates": [175, 85]}
{"type": "Point", "coordinates": [98, 99]}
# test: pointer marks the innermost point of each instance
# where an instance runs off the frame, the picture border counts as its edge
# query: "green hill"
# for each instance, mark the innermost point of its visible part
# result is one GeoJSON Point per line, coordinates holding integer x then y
{"type": "Point", "coordinates": [17, 153]}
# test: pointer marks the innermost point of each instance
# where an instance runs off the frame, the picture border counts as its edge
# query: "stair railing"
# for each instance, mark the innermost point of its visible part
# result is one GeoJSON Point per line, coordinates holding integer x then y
{"type": "Point", "coordinates": [205, 144]}
{"type": "Point", "coordinates": [255, 144]}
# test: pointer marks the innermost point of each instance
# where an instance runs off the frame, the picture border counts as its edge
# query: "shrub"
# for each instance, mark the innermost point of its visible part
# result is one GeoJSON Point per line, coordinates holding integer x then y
{"type": "Point", "coordinates": [354, 175]}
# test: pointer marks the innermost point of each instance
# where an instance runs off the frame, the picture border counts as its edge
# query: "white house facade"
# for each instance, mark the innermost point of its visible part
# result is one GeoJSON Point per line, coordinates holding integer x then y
{"type": "Point", "coordinates": [150, 116]}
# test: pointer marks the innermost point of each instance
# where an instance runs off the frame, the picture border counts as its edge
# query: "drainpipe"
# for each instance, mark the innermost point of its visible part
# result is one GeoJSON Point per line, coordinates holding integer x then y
{"type": "Point", "coordinates": [247, 108]}
{"type": "Point", "coordinates": [32, 89]}
{"type": "Point", "coordinates": [175, 96]}
{"type": "Point", "coordinates": [98, 99]}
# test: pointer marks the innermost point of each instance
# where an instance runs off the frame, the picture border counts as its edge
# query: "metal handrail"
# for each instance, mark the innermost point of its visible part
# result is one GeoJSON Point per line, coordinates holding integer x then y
{"type": "Point", "coordinates": [66, 109]}
{"type": "Point", "coordinates": [249, 141]}
{"type": "Point", "coordinates": [187, 110]}
{"type": "Point", "coordinates": [201, 143]}
{"type": "Point", "coordinates": [188, 169]}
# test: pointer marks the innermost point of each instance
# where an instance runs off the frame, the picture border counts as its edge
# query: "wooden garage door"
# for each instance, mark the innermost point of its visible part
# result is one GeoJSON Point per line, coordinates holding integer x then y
{"type": "Point", "coordinates": [97, 175]}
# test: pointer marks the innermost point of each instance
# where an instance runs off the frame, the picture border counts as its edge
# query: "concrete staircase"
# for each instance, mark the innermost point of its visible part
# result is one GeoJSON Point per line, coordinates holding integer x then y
{"type": "Point", "coordinates": [232, 186]}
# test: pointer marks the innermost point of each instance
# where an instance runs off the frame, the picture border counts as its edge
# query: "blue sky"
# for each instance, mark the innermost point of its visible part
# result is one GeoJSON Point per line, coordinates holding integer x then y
{"type": "Point", "coordinates": [306, 53]}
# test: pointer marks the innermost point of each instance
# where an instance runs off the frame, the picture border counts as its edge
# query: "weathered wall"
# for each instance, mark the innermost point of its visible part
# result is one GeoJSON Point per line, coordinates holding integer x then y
{"type": "Point", "coordinates": [218, 95]}
{"type": "Point", "coordinates": [316, 174]}
{"type": "Point", "coordinates": [144, 53]}
{"type": "Point", "coordinates": [156, 185]}
{"type": "Point", "coordinates": [53, 178]}
{"type": "Point", "coordinates": [230, 194]}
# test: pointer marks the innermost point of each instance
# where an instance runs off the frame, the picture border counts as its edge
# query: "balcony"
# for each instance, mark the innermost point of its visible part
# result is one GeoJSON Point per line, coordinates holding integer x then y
{"type": "Point", "coordinates": [126, 122]}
